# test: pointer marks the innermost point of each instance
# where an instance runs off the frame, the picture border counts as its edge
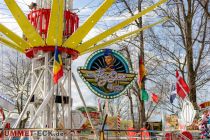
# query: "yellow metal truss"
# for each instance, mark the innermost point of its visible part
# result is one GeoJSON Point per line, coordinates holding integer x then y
{"type": "Point", "coordinates": [110, 31]}
{"type": "Point", "coordinates": [11, 44]}
{"type": "Point", "coordinates": [123, 37]}
{"type": "Point", "coordinates": [29, 31]}
{"type": "Point", "coordinates": [15, 38]}
{"type": "Point", "coordinates": [56, 26]}
{"type": "Point", "coordinates": [55, 29]}
{"type": "Point", "coordinates": [82, 31]}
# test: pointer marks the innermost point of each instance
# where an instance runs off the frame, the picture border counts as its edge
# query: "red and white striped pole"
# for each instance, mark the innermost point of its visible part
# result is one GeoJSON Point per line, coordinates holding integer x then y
{"type": "Point", "coordinates": [118, 124]}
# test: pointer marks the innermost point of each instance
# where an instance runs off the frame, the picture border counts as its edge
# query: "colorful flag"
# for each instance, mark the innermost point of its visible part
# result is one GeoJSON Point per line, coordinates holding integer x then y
{"type": "Point", "coordinates": [57, 66]}
{"type": "Point", "coordinates": [142, 71]}
{"type": "Point", "coordinates": [144, 95]}
{"type": "Point", "coordinates": [155, 98]}
{"type": "Point", "coordinates": [181, 86]}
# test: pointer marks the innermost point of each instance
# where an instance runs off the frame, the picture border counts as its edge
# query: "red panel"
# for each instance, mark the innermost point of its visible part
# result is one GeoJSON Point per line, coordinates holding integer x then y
{"type": "Point", "coordinates": [168, 136]}
{"type": "Point", "coordinates": [188, 135]}
{"type": "Point", "coordinates": [40, 20]}
{"type": "Point", "coordinates": [204, 105]}
{"type": "Point", "coordinates": [33, 51]}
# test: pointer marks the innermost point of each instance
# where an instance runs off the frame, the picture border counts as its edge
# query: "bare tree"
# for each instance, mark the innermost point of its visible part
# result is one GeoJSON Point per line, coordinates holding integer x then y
{"type": "Point", "coordinates": [184, 47]}
{"type": "Point", "coordinates": [190, 50]}
{"type": "Point", "coordinates": [137, 44]}
{"type": "Point", "coordinates": [205, 5]}
{"type": "Point", "coordinates": [16, 69]}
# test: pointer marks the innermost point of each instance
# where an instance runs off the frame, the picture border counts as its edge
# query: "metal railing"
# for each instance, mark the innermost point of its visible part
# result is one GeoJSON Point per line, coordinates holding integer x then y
{"type": "Point", "coordinates": [145, 135]}
{"type": "Point", "coordinates": [107, 134]}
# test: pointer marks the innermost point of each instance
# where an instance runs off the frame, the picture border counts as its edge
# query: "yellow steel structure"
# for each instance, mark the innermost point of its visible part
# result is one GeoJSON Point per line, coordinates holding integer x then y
{"type": "Point", "coordinates": [55, 29]}
{"type": "Point", "coordinates": [10, 44]}
{"type": "Point", "coordinates": [56, 26]}
{"type": "Point", "coordinates": [82, 31]}
{"type": "Point", "coordinates": [11, 35]}
{"type": "Point", "coordinates": [110, 31]}
{"type": "Point", "coordinates": [123, 37]}
{"type": "Point", "coordinates": [29, 31]}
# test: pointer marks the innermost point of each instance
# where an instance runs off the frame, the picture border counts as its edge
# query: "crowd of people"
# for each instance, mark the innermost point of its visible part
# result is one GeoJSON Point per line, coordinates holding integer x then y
{"type": "Point", "coordinates": [204, 125]}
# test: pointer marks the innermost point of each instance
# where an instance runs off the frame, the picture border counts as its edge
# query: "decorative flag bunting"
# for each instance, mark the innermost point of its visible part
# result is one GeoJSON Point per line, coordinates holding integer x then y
{"type": "Point", "coordinates": [57, 66]}
{"type": "Point", "coordinates": [144, 95]}
{"type": "Point", "coordinates": [155, 98]}
{"type": "Point", "coordinates": [142, 72]}
{"type": "Point", "coordinates": [181, 86]}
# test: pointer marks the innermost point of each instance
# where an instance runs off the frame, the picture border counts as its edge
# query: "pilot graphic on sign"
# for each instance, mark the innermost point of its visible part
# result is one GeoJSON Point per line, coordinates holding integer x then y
{"type": "Point", "coordinates": [107, 73]}
{"type": "Point", "coordinates": [109, 60]}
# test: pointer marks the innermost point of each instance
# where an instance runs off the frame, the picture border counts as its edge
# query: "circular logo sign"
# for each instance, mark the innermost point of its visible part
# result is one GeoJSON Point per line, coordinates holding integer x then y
{"type": "Point", "coordinates": [107, 73]}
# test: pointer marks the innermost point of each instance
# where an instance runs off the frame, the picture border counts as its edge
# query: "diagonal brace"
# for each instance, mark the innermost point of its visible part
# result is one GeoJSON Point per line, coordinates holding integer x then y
{"type": "Point", "coordinates": [123, 37]}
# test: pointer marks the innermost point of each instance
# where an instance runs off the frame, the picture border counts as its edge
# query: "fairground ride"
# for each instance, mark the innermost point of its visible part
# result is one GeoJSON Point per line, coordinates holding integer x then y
{"type": "Point", "coordinates": [44, 28]}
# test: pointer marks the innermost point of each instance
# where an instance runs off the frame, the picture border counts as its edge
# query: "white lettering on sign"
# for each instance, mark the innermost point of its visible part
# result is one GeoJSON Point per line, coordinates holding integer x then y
{"type": "Point", "coordinates": [110, 80]}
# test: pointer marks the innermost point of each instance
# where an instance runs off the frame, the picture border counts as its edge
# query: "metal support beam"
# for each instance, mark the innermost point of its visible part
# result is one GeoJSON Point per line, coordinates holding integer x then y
{"type": "Point", "coordinates": [11, 44]}
{"type": "Point", "coordinates": [41, 107]}
{"type": "Point", "coordinates": [29, 31]}
{"type": "Point", "coordinates": [55, 29]}
{"type": "Point", "coordinates": [15, 38]}
{"type": "Point", "coordinates": [83, 30]}
{"type": "Point", "coordinates": [83, 101]}
{"type": "Point", "coordinates": [123, 37]}
{"type": "Point", "coordinates": [28, 101]}
{"type": "Point", "coordinates": [69, 74]}
{"type": "Point", "coordinates": [19, 94]}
